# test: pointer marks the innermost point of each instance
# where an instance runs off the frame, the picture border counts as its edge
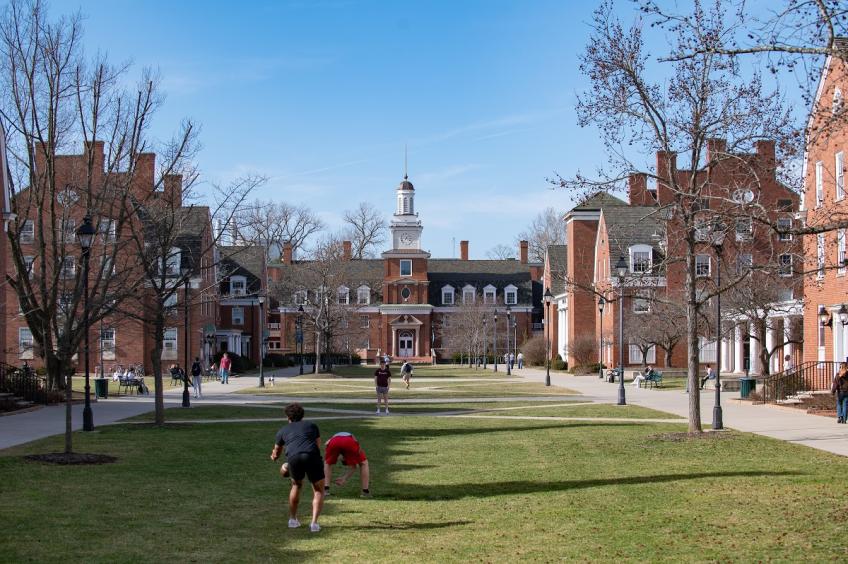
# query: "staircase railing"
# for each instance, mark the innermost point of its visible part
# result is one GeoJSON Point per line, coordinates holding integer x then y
{"type": "Point", "coordinates": [806, 377]}
{"type": "Point", "coordinates": [25, 385]}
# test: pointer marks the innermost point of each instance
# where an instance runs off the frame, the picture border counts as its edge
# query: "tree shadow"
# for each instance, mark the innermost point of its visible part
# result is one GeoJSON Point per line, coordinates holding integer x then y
{"type": "Point", "coordinates": [408, 526]}
{"type": "Point", "coordinates": [495, 489]}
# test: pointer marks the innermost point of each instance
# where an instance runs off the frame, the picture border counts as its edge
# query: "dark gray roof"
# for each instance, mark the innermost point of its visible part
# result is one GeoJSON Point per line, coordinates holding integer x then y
{"type": "Point", "coordinates": [598, 201]}
{"type": "Point", "coordinates": [520, 280]}
{"type": "Point", "coordinates": [632, 225]}
{"type": "Point", "coordinates": [248, 257]}
{"type": "Point", "coordinates": [196, 222]}
{"type": "Point", "coordinates": [558, 259]}
{"type": "Point", "coordinates": [457, 266]}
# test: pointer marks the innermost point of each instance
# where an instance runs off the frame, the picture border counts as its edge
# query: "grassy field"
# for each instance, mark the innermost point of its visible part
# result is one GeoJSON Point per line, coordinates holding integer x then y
{"type": "Point", "coordinates": [419, 371]}
{"type": "Point", "coordinates": [451, 489]}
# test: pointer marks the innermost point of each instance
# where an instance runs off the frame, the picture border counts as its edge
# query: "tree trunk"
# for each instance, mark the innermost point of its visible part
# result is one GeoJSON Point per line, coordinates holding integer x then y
{"type": "Point", "coordinates": [668, 352]}
{"type": "Point", "coordinates": [156, 363]}
{"type": "Point", "coordinates": [317, 352]}
{"type": "Point", "coordinates": [765, 354]}
{"type": "Point", "coordinates": [692, 345]}
{"type": "Point", "coordinates": [68, 416]}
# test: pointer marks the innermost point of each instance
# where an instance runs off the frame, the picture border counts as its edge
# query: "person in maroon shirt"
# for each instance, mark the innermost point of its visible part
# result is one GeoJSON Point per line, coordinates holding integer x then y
{"type": "Point", "coordinates": [382, 380]}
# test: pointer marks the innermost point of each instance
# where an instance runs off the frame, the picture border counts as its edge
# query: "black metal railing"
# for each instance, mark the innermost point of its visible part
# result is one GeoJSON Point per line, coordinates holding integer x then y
{"type": "Point", "coordinates": [806, 377]}
{"type": "Point", "coordinates": [24, 384]}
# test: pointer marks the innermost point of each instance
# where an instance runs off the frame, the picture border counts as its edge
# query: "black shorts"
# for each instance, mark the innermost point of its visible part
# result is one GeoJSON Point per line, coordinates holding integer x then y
{"type": "Point", "coordinates": [305, 464]}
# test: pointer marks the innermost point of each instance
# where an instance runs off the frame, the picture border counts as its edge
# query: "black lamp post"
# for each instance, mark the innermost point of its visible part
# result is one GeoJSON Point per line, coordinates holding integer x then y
{"type": "Point", "coordinates": [210, 340]}
{"type": "Point", "coordinates": [508, 323]}
{"type": "Point", "coordinates": [495, 338]}
{"type": "Point", "coordinates": [187, 282]}
{"type": "Point", "coordinates": [260, 300]}
{"type": "Point", "coordinates": [621, 270]}
{"type": "Point", "coordinates": [85, 235]}
{"type": "Point", "coordinates": [601, 303]}
{"type": "Point", "coordinates": [485, 343]}
{"type": "Point", "coordinates": [549, 298]}
{"type": "Point", "coordinates": [718, 242]}
{"type": "Point", "coordinates": [298, 335]}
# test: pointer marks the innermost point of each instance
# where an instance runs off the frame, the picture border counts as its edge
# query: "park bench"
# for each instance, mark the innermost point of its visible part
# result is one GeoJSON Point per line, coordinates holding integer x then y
{"type": "Point", "coordinates": [654, 379]}
{"type": "Point", "coordinates": [127, 383]}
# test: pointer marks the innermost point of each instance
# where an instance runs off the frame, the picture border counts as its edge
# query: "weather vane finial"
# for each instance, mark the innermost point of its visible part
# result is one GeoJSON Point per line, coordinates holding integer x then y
{"type": "Point", "coordinates": [405, 175]}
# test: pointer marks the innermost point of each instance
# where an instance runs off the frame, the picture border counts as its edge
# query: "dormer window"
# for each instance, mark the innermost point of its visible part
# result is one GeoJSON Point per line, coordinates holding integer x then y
{"type": "Point", "coordinates": [343, 295]}
{"type": "Point", "coordinates": [489, 294]}
{"type": "Point", "coordinates": [299, 297]}
{"type": "Point", "coordinates": [510, 295]}
{"type": "Point", "coordinates": [468, 294]}
{"type": "Point", "coordinates": [640, 259]}
{"type": "Point", "coordinates": [238, 285]}
{"type": "Point", "coordinates": [363, 295]}
{"type": "Point", "coordinates": [447, 295]}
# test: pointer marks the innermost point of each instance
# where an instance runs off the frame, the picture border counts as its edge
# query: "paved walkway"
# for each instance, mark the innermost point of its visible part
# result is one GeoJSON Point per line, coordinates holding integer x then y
{"type": "Point", "coordinates": [782, 423]}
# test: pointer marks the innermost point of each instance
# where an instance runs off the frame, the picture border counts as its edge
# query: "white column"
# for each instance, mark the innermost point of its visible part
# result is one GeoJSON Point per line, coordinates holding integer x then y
{"type": "Point", "coordinates": [724, 361]}
{"type": "Point", "coordinates": [738, 350]}
{"type": "Point", "coordinates": [754, 350]}
{"type": "Point", "coordinates": [787, 335]}
{"type": "Point", "coordinates": [770, 342]}
{"type": "Point", "coordinates": [415, 332]}
{"type": "Point", "coordinates": [393, 347]}
{"type": "Point", "coordinates": [838, 337]}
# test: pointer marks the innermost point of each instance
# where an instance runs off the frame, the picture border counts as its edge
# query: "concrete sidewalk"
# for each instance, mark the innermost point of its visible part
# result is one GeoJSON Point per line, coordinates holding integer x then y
{"type": "Point", "coordinates": [20, 428]}
{"type": "Point", "coordinates": [786, 424]}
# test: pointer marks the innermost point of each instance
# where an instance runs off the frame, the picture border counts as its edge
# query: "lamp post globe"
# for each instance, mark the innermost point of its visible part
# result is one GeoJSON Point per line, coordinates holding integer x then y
{"type": "Point", "coordinates": [621, 270]}
{"type": "Point", "coordinates": [85, 236]}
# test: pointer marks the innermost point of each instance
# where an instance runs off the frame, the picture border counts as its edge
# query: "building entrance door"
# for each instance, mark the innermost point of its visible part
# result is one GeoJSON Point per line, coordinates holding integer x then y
{"type": "Point", "coordinates": [405, 344]}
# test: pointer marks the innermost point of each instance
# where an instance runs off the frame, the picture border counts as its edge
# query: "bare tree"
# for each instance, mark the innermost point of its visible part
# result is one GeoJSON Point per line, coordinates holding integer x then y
{"type": "Point", "coordinates": [501, 252]}
{"type": "Point", "coordinates": [546, 229]}
{"type": "Point", "coordinates": [273, 224]}
{"type": "Point", "coordinates": [366, 229]}
{"type": "Point", "coordinates": [584, 349]}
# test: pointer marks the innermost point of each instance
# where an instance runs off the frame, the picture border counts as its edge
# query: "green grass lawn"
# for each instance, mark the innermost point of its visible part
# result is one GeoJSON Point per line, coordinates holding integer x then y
{"type": "Point", "coordinates": [419, 371]}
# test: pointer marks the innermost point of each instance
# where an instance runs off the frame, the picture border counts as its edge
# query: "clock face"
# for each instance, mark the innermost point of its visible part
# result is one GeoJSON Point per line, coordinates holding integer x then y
{"type": "Point", "coordinates": [67, 197]}
{"type": "Point", "coordinates": [406, 238]}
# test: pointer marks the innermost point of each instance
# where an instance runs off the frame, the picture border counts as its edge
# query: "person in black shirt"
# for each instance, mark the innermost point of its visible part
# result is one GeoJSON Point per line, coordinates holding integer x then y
{"type": "Point", "coordinates": [382, 381]}
{"type": "Point", "coordinates": [302, 442]}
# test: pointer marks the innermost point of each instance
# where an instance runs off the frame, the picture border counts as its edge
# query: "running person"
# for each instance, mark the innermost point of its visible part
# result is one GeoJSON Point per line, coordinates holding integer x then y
{"type": "Point", "coordinates": [382, 381]}
{"type": "Point", "coordinates": [302, 442]}
{"type": "Point", "coordinates": [406, 373]}
{"type": "Point", "coordinates": [348, 447]}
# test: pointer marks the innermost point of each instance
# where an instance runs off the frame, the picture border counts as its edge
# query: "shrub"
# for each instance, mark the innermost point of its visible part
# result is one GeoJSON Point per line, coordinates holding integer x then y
{"type": "Point", "coordinates": [534, 351]}
{"type": "Point", "coordinates": [584, 349]}
{"type": "Point", "coordinates": [559, 364]}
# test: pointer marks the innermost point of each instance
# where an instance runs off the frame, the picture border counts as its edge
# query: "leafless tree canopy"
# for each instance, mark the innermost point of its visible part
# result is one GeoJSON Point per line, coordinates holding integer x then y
{"type": "Point", "coordinates": [545, 229]}
{"type": "Point", "coordinates": [273, 224]}
{"type": "Point", "coordinates": [501, 252]}
{"type": "Point", "coordinates": [366, 230]}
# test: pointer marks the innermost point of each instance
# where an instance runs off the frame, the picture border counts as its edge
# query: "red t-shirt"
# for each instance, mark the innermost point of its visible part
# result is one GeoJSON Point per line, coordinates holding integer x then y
{"type": "Point", "coordinates": [382, 375]}
{"type": "Point", "coordinates": [226, 362]}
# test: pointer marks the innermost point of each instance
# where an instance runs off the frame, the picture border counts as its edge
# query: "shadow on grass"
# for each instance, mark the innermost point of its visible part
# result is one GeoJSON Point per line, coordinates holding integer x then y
{"type": "Point", "coordinates": [409, 526]}
{"type": "Point", "coordinates": [495, 489]}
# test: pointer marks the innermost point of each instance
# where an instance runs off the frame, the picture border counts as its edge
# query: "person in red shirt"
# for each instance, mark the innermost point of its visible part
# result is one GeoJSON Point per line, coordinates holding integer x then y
{"type": "Point", "coordinates": [382, 380]}
{"type": "Point", "coordinates": [345, 445]}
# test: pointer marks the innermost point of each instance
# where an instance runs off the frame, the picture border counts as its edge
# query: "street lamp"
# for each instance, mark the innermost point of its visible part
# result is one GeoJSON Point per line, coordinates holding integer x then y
{"type": "Point", "coordinates": [621, 270]}
{"type": "Point", "coordinates": [495, 338]}
{"type": "Point", "coordinates": [186, 272]}
{"type": "Point", "coordinates": [485, 343]}
{"type": "Point", "coordinates": [601, 303]}
{"type": "Point", "coordinates": [843, 315]}
{"type": "Point", "coordinates": [85, 235]}
{"type": "Point", "coordinates": [261, 300]}
{"type": "Point", "coordinates": [508, 322]}
{"type": "Point", "coordinates": [718, 242]}
{"type": "Point", "coordinates": [298, 335]}
{"type": "Point", "coordinates": [548, 299]}
{"type": "Point", "coordinates": [824, 317]}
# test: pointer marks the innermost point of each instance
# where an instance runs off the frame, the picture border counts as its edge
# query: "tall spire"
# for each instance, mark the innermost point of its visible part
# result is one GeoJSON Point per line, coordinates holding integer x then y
{"type": "Point", "coordinates": [405, 170]}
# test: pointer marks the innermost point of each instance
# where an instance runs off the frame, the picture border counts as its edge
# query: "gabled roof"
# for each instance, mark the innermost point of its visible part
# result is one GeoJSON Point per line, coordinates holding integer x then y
{"type": "Point", "coordinates": [598, 201]}
{"type": "Point", "coordinates": [558, 261]}
{"type": "Point", "coordinates": [251, 258]}
{"type": "Point", "coordinates": [631, 225]}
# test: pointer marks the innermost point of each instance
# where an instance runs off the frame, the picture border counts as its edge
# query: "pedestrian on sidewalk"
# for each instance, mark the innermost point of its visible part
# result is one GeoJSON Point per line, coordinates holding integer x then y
{"type": "Point", "coordinates": [382, 381]}
{"type": "Point", "coordinates": [226, 363]}
{"type": "Point", "coordinates": [520, 360]}
{"type": "Point", "coordinates": [302, 442]}
{"type": "Point", "coordinates": [197, 377]}
{"type": "Point", "coordinates": [840, 389]}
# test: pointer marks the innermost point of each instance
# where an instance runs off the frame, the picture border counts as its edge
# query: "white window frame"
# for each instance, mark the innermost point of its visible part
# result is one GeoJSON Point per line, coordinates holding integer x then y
{"type": "Point", "coordinates": [363, 295]}
{"type": "Point", "coordinates": [234, 283]}
{"type": "Point", "coordinates": [29, 262]}
{"type": "Point", "coordinates": [171, 301]}
{"type": "Point", "coordinates": [840, 251]}
{"type": "Point", "coordinates": [173, 262]}
{"type": "Point", "coordinates": [364, 321]}
{"type": "Point", "coordinates": [343, 295]}
{"type": "Point", "coordinates": [170, 343]}
{"type": "Point", "coordinates": [839, 175]}
{"type": "Point", "coordinates": [820, 255]}
{"type": "Point", "coordinates": [642, 302]}
{"type": "Point", "coordinates": [746, 261]}
{"type": "Point", "coordinates": [511, 295]}
{"type": "Point", "coordinates": [706, 351]}
{"type": "Point", "coordinates": [237, 315]}
{"type": "Point", "coordinates": [634, 354]}
{"type": "Point", "coordinates": [782, 266]}
{"type": "Point", "coordinates": [646, 264]}
{"type": "Point", "coordinates": [108, 344]}
{"type": "Point", "coordinates": [68, 268]}
{"type": "Point", "coordinates": [784, 224]}
{"type": "Point", "coordinates": [747, 228]}
{"type": "Point", "coordinates": [108, 230]}
{"type": "Point", "coordinates": [27, 232]}
{"type": "Point", "coordinates": [451, 292]}
{"type": "Point", "coordinates": [404, 262]}
{"type": "Point", "coordinates": [819, 183]}
{"type": "Point", "coordinates": [26, 344]}
{"type": "Point", "coordinates": [69, 230]}
{"type": "Point", "coordinates": [469, 290]}
{"type": "Point", "coordinates": [699, 263]}
{"type": "Point", "coordinates": [300, 297]}
{"type": "Point", "coordinates": [490, 295]}
{"type": "Point", "coordinates": [702, 231]}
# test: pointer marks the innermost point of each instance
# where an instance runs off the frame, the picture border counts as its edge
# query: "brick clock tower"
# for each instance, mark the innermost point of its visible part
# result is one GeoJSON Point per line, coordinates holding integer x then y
{"type": "Point", "coordinates": [405, 313]}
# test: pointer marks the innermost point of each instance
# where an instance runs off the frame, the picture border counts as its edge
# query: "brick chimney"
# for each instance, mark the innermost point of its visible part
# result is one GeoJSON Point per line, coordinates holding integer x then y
{"type": "Point", "coordinates": [666, 164]}
{"type": "Point", "coordinates": [637, 190]}
{"type": "Point", "coordinates": [145, 168]}
{"type": "Point", "coordinates": [765, 151]}
{"type": "Point", "coordinates": [287, 252]}
{"type": "Point", "coordinates": [347, 250]}
{"type": "Point", "coordinates": [716, 148]}
{"type": "Point", "coordinates": [523, 251]}
{"type": "Point", "coordinates": [463, 250]}
{"type": "Point", "coordinates": [95, 149]}
{"type": "Point", "coordinates": [174, 189]}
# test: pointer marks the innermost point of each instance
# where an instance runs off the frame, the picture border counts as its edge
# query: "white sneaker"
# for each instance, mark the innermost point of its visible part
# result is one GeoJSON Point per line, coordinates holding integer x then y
{"type": "Point", "coordinates": [314, 527]}
{"type": "Point", "coordinates": [387, 411]}
{"type": "Point", "coordinates": [294, 523]}
{"type": "Point", "coordinates": [378, 411]}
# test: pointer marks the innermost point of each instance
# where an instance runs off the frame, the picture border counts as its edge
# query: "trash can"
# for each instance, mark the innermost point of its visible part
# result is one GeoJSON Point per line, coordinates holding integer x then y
{"type": "Point", "coordinates": [746, 386]}
{"type": "Point", "coordinates": [101, 387]}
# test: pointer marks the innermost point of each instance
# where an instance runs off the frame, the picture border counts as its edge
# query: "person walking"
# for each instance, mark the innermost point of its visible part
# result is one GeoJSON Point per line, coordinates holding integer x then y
{"type": "Point", "coordinates": [840, 389]}
{"type": "Point", "coordinates": [345, 445]}
{"type": "Point", "coordinates": [225, 365]}
{"type": "Point", "coordinates": [520, 360]}
{"type": "Point", "coordinates": [197, 377]}
{"type": "Point", "coordinates": [302, 442]}
{"type": "Point", "coordinates": [382, 381]}
{"type": "Point", "coordinates": [511, 360]}
{"type": "Point", "coordinates": [406, 373]}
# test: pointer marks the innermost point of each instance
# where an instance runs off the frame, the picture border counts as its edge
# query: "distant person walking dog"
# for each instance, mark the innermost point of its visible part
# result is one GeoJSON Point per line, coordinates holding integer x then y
{"type": "Point", "coordinates": [382, 381]}
{"type": "Point", "coordinates": [345, 445]}
{"type": "Point", "coordinates": [302, 443]}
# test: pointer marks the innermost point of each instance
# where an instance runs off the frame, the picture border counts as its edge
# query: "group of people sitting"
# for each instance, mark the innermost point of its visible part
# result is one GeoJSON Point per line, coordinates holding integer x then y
{"type": "Point", "coordinates": [131, 376]}
{"type": "Point", "coordinates": [647, 375]}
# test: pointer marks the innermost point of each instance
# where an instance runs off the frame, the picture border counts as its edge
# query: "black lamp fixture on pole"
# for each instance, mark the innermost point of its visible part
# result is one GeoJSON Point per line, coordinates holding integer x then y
{"type": "Point", "coordinates": [601, 303]}
{"type": "Point", "coordinates": [299, 335]}
{"type": "Point", "coordinates": [508, 322]}
{"type": "Point", "coordinates": [549, 298]}
{"type": "Point", "coordinates": [85, 235]}
{"type": "Point", "coordinates": [843, 315]}
{"type": "Point", "coordinates": [485, 341]}
{"type": "Point", "coordinates": [495, 338]}
{"type": "Point", "coordinates": [621, 271]}
{"type": "Point", "coordinates": [261, 300]}
{"type": "Point", "coordinates": [824, 317]}
{"type": "Point", "coordinates": [718, 242]}
{"type": "Point", "coordinates": [186, 272]}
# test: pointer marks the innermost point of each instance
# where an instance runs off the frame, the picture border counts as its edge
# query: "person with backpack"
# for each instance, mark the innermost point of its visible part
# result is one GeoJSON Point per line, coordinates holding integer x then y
{"type": "Point", "coordinates": [406, 373]}
{"type": "Point", "coordinates": [197, 377]}
{"type": "Point", "coordinates": [840, 389]}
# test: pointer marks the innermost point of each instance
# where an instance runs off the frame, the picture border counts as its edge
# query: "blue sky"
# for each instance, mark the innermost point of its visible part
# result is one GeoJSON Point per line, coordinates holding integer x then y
{"type": "Point", "coordinates": [322, 95]}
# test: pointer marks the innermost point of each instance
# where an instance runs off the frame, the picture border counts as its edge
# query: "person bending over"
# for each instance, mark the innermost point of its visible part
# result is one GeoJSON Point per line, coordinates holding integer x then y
{"type": "Point", "coordinates": [302, 442]}
{"type": "Point", "coordinates": [345, 445]}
